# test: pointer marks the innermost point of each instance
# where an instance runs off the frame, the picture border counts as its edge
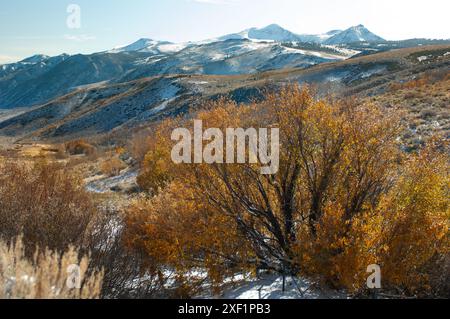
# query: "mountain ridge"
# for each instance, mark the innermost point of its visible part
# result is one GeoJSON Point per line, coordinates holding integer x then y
{"type": "Point", "coordinates": [119, 107]}
{"type": "Point", "coordinates": [38, 79]}
{"type": "Point", "coordinates": [275, 32]}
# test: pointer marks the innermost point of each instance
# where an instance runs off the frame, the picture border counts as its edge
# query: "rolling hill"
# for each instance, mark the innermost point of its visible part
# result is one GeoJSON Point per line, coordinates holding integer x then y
{"type": "Point", "coordinates": [107, 107]}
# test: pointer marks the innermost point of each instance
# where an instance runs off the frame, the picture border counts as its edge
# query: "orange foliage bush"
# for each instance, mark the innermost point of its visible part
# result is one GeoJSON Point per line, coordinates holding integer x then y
{"type": "Point", "coordinates": [406, 234]}
{"type": "Point", "coordinates": [156, 162]}
{"type": "Point", "coordinates": [344, 198]}
{"type": "Point", "coordinates": [416, 221]}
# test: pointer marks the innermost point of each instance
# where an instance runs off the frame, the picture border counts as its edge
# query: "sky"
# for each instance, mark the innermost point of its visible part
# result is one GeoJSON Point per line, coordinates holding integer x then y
{"type": "Point", "coordinates": [41, 27]}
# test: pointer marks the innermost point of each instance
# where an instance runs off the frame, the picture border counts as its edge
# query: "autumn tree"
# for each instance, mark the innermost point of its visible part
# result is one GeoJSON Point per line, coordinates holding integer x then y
{"type": "Point", "coordinates": [331, 153]}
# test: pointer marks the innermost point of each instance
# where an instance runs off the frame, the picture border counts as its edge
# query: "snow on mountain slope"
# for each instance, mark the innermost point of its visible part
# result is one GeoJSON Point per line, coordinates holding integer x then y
{"type": "Point", "coordinates": [35, 59]}
{"type": "Point", "coordinates": [95, 110]}
{"type": "Point", "coordinates": [150, 46]}
{"type": "Point", "coordinates": [38, 61]}
{"type": "Point", "coordinates": [233, 36]}
{"type": "Point", "coordinates": [238, 56]}
{"type": "Point", "coordinates": [276, 33]}
{"type": "Point", "coordinates": [26, 84]}
{"type": "Point", "coordinates": [354, 34]}
{"type": "Point", "coordinates": [272, 32]}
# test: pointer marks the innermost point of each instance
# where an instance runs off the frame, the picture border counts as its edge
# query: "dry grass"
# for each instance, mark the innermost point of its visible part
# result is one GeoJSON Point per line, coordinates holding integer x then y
{"type": "Point", "coordinates": [44, 276]}
{"type": "Point", "coordinates": [426, 102]}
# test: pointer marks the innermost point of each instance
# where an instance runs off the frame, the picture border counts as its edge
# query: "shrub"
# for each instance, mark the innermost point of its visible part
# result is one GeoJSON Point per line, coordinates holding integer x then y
{"type": "Point", "coordinates": [45, 204]}
{"type": "Point", "coordinates": [50, 209]}
{"type": "Point", "coordinates": [79, 147]}
{"type": "Point", "coordinates": [60, 153]}
{"type": "Point", "coordinates": [406, 234]}
{"type": "Point", "coordinates": [139, 145]}
{"type": "Point", "coordinates": [416, 220]}
{"type": "Point", "coordinates": [125, 273]}
{"type": "Point", "coordinates": [156, 162]}
{"type": "Point", "coordinates": [177, 231]}
{"type": "Point", "coordinates": [113, 166]}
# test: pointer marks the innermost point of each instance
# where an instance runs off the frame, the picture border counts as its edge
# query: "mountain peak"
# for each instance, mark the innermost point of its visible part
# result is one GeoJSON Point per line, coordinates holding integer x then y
{"type": "Point", "coordinates": [272, 26]}
{"type": "Point", "coordinates": [145, 40]}
{"type": "Point", "coordinates": [357, 33]}
{"type": "Point", "coordinates": [143, 44]}
{"type": "Point", "coordinates": [35, 58]}
{"type": "Point", "coordinates": [272, 32]}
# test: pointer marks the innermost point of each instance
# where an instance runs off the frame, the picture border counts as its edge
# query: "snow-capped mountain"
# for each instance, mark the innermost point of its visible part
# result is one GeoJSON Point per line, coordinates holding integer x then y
{"type": "Point", "coordinates": [33, 65]}
{"type": "Point", "coordinates": [234, 56]}
{"type": "Point", "coordinates": [354, 34]}
{"type": "Point", "coordinates": [149, 46]}
{"type": "Point", "coordinates": [276, 33]}
{"type": "Point", "coordinates": [122, 105]}
{"type": "Point", "coordinates": [35, 59]}
{"type": "Point", "coordinates": [272, 32]}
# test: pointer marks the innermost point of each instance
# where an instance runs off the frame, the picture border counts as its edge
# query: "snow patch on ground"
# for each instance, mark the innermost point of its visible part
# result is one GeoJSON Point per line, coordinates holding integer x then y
{"type": "Point", "coordinates": [373, 71]}
{"type": "Point", "coordinates": [103, 184]}
{"type": "Point", "coordinates": [171, 48]}
{"type": "Point", "coordinates": [199, 82]}
{"type": "Point", "coordinates": [345, 51]}
{"type": "Point", "coordinates": [6, 114]}
{"type": "Point", "coordinates": [162, 106]}
{"type": "Point", "coordinates": [271, 287]}
{"type": "Point", "coordinates": [318, 54]}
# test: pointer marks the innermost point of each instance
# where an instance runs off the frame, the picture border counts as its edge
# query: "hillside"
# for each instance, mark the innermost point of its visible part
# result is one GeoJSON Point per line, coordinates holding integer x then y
{"type": "Point", "coordinates": [39, 79]}
{"type": "Point", "coordinates": [106, 107]}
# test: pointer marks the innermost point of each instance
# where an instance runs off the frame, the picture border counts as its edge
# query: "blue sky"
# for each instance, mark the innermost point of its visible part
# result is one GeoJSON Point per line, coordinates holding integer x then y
{"type": "Point", "coordinates": [30, 27]}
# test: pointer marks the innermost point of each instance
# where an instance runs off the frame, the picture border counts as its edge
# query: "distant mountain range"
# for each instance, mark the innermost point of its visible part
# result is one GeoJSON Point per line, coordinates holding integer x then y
{"type": "Point", "coordinates": [40, 78]}
{"type": "Point", "coordinates": [274, 32]}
